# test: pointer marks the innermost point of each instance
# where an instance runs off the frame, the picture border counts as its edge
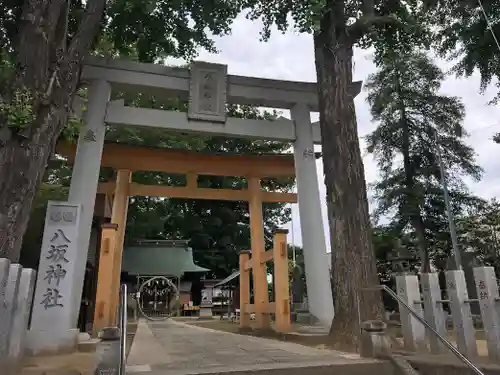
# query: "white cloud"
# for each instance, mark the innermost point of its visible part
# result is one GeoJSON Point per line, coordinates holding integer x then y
{"type": "Point", "coordinates": [290, 57]}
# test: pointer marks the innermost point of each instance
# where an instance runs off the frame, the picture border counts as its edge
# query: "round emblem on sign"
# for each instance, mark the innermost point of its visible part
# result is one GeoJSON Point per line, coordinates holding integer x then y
{"type": "Point", "coordinates": [56, 216]}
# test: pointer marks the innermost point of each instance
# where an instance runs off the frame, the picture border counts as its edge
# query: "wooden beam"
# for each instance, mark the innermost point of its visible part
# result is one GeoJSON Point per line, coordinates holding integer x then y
{"type": "Point", "coordinates": [167, 81]}
{"type": "Point", "coordinates": [197, 193]}
{"type": "Point", "coordinates": [266, 257]}
{"type": "Point", "coordinates": [137, 158]}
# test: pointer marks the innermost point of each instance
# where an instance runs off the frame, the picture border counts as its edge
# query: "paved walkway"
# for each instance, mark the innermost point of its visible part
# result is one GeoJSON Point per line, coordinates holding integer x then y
{"type": "Point", "coordinates": [175, 348]}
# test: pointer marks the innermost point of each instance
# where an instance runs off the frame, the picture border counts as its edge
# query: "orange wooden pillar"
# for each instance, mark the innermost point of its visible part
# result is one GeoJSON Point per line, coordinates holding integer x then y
{"type": "Point", "coordinates": [260, 293]}
{"type": "Point", "coordinates": [281, 282]}
{"type": "Point", "coordinates": [244, 289]}
{"type": "Point", "coordinates": [102, 313]}
{"type": "Point", "coordinates": [119, 216]}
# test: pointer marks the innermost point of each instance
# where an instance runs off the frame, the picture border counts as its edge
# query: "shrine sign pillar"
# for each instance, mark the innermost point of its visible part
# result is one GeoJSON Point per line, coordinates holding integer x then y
{"type": "Point", "coordinates": [52, 329]}
{"type": "Point", "coordinates": [84, 180]}
{"type": "Point", "coordinates": [319, 289]}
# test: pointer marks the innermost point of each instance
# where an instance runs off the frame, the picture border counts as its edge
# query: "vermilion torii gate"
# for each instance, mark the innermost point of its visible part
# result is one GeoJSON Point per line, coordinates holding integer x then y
{"type": "Point", "coordinates": [209, 88]}
{"type": "Point", "coordinates": [127, 159]}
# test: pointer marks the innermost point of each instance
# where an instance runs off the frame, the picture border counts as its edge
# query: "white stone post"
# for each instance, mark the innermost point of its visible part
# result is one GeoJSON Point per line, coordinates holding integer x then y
{"type": "Point", "coordinates": [433, 309]}
{"type": "Point", "coordinates": [21, 315]}
{"type": "Point", "coordinates": [85, 177]}
{"type": "Point", "coordinates": [11, 296]}
{"type": "Point", "coordinates": [52, 329]}
{"type": "Point", "coordinates": [4, 312]}
{"type": "Point", "coordinates": [487, 295]}
{"type": "Point", "coordinates": [460, 313]}
{"type": "Point", "coordinates": [408, 289]}
{"type": "Point", "coordinates": [319, 289]}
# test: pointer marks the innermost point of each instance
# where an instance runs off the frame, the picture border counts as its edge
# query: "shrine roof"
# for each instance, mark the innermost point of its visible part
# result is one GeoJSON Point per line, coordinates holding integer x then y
{"type": "Point", "coordinates": [157, 258]}
{"type": "Point", "coordinates": [228, 279]}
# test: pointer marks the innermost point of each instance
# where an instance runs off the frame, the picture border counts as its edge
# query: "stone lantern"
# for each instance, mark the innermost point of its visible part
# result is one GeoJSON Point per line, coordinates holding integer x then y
{"type": "Point", "coordinates": [401, 258]}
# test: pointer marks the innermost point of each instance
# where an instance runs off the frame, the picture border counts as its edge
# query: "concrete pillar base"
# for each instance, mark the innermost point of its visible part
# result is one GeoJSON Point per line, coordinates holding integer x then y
{"type": "Point", "coordinates": [51, 342]}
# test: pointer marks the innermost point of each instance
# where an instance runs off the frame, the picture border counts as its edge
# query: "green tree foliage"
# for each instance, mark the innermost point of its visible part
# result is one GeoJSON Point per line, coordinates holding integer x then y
{"type": "Point", "coordinates": [338, 26]}
{"type": "Point", "coordinates": [410, 112]}
{"type": "Point", "coordinates": [479, 232]}
{"type": "Point", "coordinates": [391, 249]}
{"type": "Point", "coordinates": [461, 33]}
{"type": "Point", "coordinates": [42, 46]}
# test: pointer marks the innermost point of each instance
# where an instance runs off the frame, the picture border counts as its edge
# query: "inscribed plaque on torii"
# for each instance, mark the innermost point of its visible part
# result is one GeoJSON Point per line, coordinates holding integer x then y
{"type": "Point", "coordinates": [207, 92]}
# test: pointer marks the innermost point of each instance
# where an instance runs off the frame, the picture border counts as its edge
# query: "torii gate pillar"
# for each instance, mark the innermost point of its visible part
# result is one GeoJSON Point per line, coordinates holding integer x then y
{"type": "Point", "coordinates": [319, 288]}
{"type": "Point", "coordinates": [85, 178]}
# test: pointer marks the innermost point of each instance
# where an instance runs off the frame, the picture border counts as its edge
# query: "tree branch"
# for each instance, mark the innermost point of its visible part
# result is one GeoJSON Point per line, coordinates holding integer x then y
{"type": "Point", "coordinates": [88, 28]}
{"type": "Point", "coordinates": [366, 22]}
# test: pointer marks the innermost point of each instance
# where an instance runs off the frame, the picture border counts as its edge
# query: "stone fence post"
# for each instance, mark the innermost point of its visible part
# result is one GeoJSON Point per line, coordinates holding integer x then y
{"type": "Point", "coordinates": [4, 312]}
{"type": "Point", "coordinates": [16, 293]}
{"type": "Point", "coordinates": [408, 289]}
{"type": "Point", "coordinates": [433, 310]}
{"type": "Point", "coordinates": [11, 302]}
{"type": "Point", "coordinates": [487, 294]}
{"type": "Point", "coordinates": [460, 313]}
{"type": "Point", "coordinates": [21, 315]}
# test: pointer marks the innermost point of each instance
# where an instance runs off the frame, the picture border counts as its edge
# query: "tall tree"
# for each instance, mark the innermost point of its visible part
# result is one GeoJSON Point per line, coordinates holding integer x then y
{"type": "Point", "coordinates": [43, 44]}
{"type": "Point", "coordinates": [412, 117]}
{"type": "Point", "coordinates": [337, 27]}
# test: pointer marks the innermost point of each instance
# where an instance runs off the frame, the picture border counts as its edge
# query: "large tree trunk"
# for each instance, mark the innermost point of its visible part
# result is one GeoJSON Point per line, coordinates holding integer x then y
{"type": "Point", "coordinates": [353, 260]}
{"type": "Point", "coordinates": [48, 68]}
{"type": "Point", "coordinates": [419, 226]}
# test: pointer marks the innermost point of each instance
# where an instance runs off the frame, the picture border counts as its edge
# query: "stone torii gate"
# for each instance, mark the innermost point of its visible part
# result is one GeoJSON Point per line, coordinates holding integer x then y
{"type": "Point", "coordinates": [209, 88]}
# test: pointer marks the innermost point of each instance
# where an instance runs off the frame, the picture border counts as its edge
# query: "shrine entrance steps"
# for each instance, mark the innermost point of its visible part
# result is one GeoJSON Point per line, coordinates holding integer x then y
{"type": "Point", "coordinates": [175, 348]}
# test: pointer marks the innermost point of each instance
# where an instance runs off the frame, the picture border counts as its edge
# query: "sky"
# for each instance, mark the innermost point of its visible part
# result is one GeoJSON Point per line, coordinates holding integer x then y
{"type": "Point", "coordinates": [290, 57]}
